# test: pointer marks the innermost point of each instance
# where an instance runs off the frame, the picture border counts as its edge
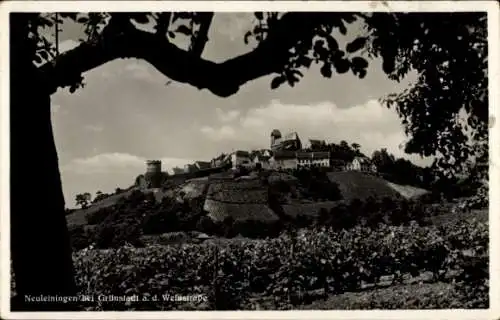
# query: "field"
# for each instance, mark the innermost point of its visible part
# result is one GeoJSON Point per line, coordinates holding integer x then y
{"type": "Point", "coordinates": [313, 268]}
{"type": "Point", "coordinates": [375, 249]}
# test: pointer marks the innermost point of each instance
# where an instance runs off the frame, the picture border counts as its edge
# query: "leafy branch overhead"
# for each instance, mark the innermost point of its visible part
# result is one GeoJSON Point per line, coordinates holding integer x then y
{"type": "Point", "coordinates": [447, 50]}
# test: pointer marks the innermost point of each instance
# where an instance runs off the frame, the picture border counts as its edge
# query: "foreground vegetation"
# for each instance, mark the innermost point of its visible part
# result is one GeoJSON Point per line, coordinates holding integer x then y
{"type": "Point", "coordinates": [294, 269]}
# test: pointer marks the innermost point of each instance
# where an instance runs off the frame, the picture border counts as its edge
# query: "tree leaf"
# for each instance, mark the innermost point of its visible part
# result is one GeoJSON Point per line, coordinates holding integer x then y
{"type": "Point", "coordinates": [70, 15]}
{"type": "Point", "coordinates": [44, 55]}
{"type": "Point", "coordinates": [259, 15]}
{"type": "Point", "coordinates": [332, 43]}
{"type": "Point", "coordinates": [362, 73]}
{"type": "Point", "coordinates": [181, 15]}
{"type": "Point", "coordinates": [341, 65]}
{"type": "Point", "coordinates": [171, 34]}
{"type": "Point", "coordinates": [318, 45]}
{"type": "Point", "coordinates": [357, 44]}
{"type": "Point", "coordinates": [278, 81]}
{"type": "Point", "coordinates": [45, 22]}
{"type": "Point", "coordinates": [184, 30]}
{"type": "Point", "coordinates": [305, 61]}
{"type": "Point", "coordinates": [342, 28]}
{"type": "Point", "coordinates": [388, 65]}
{"type": "Point", "coordinates": [38, 59]}
{"type": "Point", "coordinates": [247, 36]}
{"type": "Point", "coordinates": [82, 20]}
{"type": "Point", "coordinates": [141, 18]}
{"type": "Point", "coordinates": [326, 70]}
{"type": "Point", "coordinates": [359, 63]}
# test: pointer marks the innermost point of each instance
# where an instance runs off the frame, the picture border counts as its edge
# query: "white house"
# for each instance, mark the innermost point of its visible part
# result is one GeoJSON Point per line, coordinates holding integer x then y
{"type": "Point", "coordinates": [240, 158]}
{"type": "Point", "coordinates": [363, 164]}
{"type": "Point", "coordinates": [263, 160]}
{"type": "Point", "coordinates": [317, 159]}
{"type": "Point", "coordinates": [320, 159]}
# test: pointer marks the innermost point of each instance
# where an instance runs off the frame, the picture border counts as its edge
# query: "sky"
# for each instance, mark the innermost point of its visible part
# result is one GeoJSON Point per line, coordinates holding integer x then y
{"type": "Point", "coordinates": [126, 113]}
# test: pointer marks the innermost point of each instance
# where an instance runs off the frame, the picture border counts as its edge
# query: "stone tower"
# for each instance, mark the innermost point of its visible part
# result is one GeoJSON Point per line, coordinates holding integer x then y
{"type": "Point", "coordinates": [275, 138]}
{"type": "Point", "coordinates": [153, 173]}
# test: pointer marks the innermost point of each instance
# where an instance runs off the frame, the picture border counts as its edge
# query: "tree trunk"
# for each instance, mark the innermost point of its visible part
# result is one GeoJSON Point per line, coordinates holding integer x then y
{"type": "Point", "coordinates": [40, 247]}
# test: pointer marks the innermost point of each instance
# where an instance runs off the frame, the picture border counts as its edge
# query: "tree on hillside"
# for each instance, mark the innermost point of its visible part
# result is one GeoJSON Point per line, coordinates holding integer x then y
{"type": "Point", "coordinates": [448, 50]}
{"type": "Point", "coordinates": [383, 159]}
{"type": "Point", "coordinates": [83, 200]}
{"type": "Point", "coordinates": [356, 147]}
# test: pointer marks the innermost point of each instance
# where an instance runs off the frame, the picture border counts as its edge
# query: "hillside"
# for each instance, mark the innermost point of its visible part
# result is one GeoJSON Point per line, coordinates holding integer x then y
{"type": "Point", "coordinates": [78, 216]}
{"type": "Point", "coordinates": [247, 199]}
{"type": "Point", "coordinates": [353, 184]}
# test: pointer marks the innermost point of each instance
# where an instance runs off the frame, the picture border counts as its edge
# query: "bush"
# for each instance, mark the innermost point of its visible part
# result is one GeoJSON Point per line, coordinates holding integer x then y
{"type": "Point", "coordinates": [98, 216]}
{"type": "Point", "coordinates": [116, 235]}
{"type": "Point", "coordinates": [79, 237]}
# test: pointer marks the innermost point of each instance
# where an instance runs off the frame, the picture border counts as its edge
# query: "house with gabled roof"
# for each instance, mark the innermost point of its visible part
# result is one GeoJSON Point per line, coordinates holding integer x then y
{"type": "Point", "coordinates": [363, 164]}
{"type": "Point", "coordinates": [240, 158]}
{"type": "Point", "coordinates": [262, 160]}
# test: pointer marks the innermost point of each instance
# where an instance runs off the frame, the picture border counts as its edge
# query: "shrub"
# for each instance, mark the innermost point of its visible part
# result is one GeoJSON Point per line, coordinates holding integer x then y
{"type": "Point", "coordinates": [116, 235]}
{"type": "Point", "coordinates": [79, 237]}
{"type": "Point", "coordinates": [98, 216]}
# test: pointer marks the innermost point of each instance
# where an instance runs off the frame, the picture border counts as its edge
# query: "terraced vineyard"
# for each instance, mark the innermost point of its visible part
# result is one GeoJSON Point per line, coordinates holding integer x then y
{"type": "Point", "coordinates": [290, 267]}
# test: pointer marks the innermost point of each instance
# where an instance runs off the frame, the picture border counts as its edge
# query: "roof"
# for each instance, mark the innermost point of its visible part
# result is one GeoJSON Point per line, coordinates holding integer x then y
{"type": "Point", "coordinates": [321, 155]}
{"type": "Point", "coordinates": [190, 167]}
{"type": "Point", "coordinates": [291, 136]}
{"type": "Point", "coordinates": [241, 153]}
{"type": "Point", "coordinates": [281, 154]}
{"type": "Point", "coordinates": [304, 155]}
{"type": "Point", "coordinates": [262, 158]}
{"type": "Point", "coordinates": [177, 170]}
{"type": "Point", "coordinates": [313, 155]}
{"type": "Point", "coordinates": [203, 164]}
{"type": "Point", "coordinates": [363, 160]}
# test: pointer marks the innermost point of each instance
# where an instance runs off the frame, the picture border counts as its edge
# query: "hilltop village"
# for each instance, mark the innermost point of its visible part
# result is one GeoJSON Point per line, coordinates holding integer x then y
{"type": "Point", "coordinates": [284, 152]}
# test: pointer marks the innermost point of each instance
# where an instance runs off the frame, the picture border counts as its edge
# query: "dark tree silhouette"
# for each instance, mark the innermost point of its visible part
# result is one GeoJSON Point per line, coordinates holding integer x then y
{"type": "Point", "coordinates": [448, 50]}
{"type": "Point", "coordinates": [83, 199]}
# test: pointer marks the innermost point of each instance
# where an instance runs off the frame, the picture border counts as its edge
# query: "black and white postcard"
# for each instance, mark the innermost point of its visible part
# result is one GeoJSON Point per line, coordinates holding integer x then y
{"type": "Point", "coordinates": [201, 159]}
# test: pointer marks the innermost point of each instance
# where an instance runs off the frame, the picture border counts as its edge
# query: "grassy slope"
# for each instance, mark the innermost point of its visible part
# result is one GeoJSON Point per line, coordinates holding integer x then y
{"type": "Point", "coordinates": [78, 217]}
{"type": "Point", "coordinates": [405, 296]}
{"type": "Point", "coordinates": [354, 184]}
{"type": "Point", "coordinates": [351, 183]}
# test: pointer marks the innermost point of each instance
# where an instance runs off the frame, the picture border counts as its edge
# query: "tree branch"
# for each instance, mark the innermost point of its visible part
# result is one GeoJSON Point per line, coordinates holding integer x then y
{"type": "Point", "coordinates": [119, 40]}
{"type": "Point", "coordinates": [199, 42]}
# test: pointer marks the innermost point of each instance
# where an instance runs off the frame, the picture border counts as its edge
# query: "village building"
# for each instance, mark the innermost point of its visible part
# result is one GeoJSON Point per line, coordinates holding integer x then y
{"type": "Point", "coordinates": [240, 158]}
{"type": "Point", "coordinates": [284, 159]}
{"type": "Point", "coordinates": [262, 160]}
{"type": "Point", "coordinates": [363, 164]}
{"type": "Point", "coordinates": [218, 161]}
{"type": "Point", "coordinates": [202, 165]}
{"type": "Point", "coordinates": [178, 170]}
{"type": "Point", "coordinates": [190, 168]}
{"type": "Point", "coordinates": [313, 159]}
{"type": "Point", "coordinates": [338, 165]}
{"type": "Point", "coordinates": [290, 141]}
